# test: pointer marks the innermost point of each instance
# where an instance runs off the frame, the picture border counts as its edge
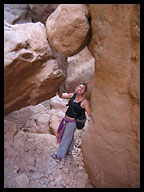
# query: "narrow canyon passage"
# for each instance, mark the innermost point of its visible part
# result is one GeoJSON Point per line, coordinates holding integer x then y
{"type": "Point", "coordinates": [28, 162]}
{"type": "Point", "coordinates": [51, 47]}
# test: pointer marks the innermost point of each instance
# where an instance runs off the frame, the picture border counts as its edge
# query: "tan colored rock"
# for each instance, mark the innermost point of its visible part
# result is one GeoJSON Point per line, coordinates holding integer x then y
{"type": "Point", "coordinates": [80, 69]}
{"type": "Point", "coordinates": [10, 130]}
{"type": "Point", "coordinates": [38, 123]}
{"type": "Point", "coordinates": [17, 13]}
{"type": "Point", "coordinates": [39, 119]}
{"type": "Point", "coordinates": [55, 119]}
{"type": "Point", "coordinates": [110, 145]}
{"type": "Point", "coordinates": [58, 103]}
{"type": "Point", "coordinates": [40, 12]}
{"type": "Point", "coordinates": [28, 41]}
{"type": "Point", "coordinates": [135, 58]}
{"type": "Point", "coordinates": [31, 75]}
{"type": "Point", "coordinates": [67, 28]}
{"type": "Point", "coordinates": [25, 113]}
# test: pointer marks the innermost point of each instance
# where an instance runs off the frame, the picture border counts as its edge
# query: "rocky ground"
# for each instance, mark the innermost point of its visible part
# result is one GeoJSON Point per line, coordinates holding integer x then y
{"type": "Point", "coordinates": [44, 171]}
{"type": "Point", "coordinates": [28, 162]}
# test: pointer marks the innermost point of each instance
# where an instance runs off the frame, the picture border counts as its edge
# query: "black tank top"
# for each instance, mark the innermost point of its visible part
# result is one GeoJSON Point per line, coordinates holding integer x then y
{"type": "Point", "coordinates": [75, 110]}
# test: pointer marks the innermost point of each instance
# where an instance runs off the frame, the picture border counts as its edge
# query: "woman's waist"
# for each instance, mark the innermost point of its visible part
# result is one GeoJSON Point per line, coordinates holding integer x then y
{"type": "Point", "coordinates": [67, 117]}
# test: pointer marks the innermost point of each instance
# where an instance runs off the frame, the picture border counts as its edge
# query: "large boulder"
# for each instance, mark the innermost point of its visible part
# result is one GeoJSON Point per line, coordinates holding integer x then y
{"type": "Point", "coordinates": [38, 123]}
{"type": "Point", "coordinates": [111, 143]}
{"type": "Point", "coordinates": [40, 12]}
{"type": "Point", "coordinates": [67, 28]}
{"type": "Point", "coordinates": [25, 113]}
{"type": "Point", "coordinates": [17, 13]}
{"type": "Point", "coordinates": [31, 74]}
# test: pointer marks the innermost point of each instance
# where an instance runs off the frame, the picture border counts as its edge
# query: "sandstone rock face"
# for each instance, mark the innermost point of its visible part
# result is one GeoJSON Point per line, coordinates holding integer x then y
{"type": "Point", "coordinates": [40, 12]}
{"type": "Point", "coordinates": [17, 13]}
{"type": "Point", "coordinates": [62, 64]}
{"type": "Point", "coordinates": [38, 123]}
{"type": "Point", "coordinates": [26, 112]}
{"type": "Point", "coordinates": [58, 103]}
{"type": "Point", "coordinates": [41, 119]}
{"type": "Point", "coordinates": [80, 69]}
{"type": "Point", "coordinates": [67, 28]}
{"type": "Point", "coordinates": [111, 144]}
{"type": "Point", "coordinates": [31, 73]}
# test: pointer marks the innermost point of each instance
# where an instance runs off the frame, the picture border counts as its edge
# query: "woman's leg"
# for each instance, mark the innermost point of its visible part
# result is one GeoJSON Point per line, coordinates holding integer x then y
{"type": "Point", "coordinates": [71, 146]}
{"type": "Point", "coordinates": [66, 139]}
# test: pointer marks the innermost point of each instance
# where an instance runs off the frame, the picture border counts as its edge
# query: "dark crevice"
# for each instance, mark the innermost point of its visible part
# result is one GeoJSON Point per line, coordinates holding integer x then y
{"type": "Point", "coordinates": [89, 20]}
{"type": "Point", "coordinates": [90, 31]}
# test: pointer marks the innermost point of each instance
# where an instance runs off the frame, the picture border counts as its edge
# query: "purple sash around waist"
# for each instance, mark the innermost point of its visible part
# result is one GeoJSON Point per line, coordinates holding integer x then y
{"type": "Point", "coordinates": [61, 128]}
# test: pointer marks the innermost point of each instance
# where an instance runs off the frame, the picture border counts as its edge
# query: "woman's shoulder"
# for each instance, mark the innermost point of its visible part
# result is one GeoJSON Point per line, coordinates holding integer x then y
{"type": "Point", "coordinates": [85, 101]}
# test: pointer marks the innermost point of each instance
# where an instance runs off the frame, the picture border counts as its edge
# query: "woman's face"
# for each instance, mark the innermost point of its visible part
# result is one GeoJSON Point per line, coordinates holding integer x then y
{"type": "Point", "coordinates": [81, 89]}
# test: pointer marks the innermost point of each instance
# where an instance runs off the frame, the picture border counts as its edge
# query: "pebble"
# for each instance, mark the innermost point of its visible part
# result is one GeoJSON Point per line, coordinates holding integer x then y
{"type": "Point", "coordinates": [16, 169]}
{"type": "Point", "coordinates": [53, 183]}
{"type": "Point", "coordinates": [36, 176]}
{"type": "Point", "coordinates": [32, 168]}
{"type": "Point", "coordinates": [51, 178]}
{"type": "Point", "coordinates": [66, 171]}
{"type": "Point", "coordinates": [80, 168]}
{"type": "Point", "coordinates": [43, 181]}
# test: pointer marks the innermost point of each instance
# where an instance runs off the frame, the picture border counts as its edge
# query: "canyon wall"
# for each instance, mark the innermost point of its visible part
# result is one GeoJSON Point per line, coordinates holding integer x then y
{"type": "Point", "coordinates": [111, 144]}
{"type": "Point", "coordinates": [35, 67]}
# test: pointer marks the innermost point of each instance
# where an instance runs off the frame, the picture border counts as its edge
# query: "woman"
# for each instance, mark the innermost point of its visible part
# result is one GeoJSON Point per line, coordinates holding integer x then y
{"type": "Point", "coordinates": [68, 124]}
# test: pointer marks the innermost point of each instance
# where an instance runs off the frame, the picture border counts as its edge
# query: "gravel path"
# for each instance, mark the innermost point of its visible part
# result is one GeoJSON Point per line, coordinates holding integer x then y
{"type": "Point", "coordinates": [46, 172]}
{"type": "Point", "coordinates": [28, 162]}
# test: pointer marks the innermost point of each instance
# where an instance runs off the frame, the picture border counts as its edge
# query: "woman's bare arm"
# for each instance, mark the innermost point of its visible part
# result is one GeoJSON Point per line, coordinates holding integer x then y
{"type": "Point", "coordinates": [65, 95]}
{"type": "Point", "coordinates": [87, 108]}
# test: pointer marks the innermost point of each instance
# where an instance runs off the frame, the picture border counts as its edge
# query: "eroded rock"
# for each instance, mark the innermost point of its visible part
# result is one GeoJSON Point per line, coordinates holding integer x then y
{"type": "Point", "coordinates": [31, 73]}
{"type": "Point", "coordinates": [38, 123]}
{"type": "Point", "coordinates": [40, 12]}
{"type": "Point", "coordinates": [17, 13]}
{"type": "Point", "coordinates": [67, 28]}
{"type": "Point", "coordinates": [111, 149]}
